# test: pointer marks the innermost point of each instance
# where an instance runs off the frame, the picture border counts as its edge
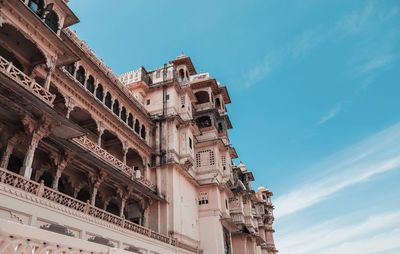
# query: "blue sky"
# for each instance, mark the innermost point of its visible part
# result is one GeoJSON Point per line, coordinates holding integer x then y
{"type": "Point", "coordinates": [316, 98]}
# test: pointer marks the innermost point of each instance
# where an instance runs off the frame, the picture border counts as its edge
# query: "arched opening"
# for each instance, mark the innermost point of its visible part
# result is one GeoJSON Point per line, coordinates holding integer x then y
{"type": "Point", "coordinates": [59, 101]}
{"type": "Point", "coordinates": [85, 120]}
{"type": "Point", "coordinates": [134, 160]}
{"type": "Point", "coordinates": [202, 97]}
{"type": "Point", "coordinates": [134, 212]}
{"type": "Point", "coordinates": [51, 20]}
{"type": "Point", "coordinates": [25, 54]}
{"type": "Point", "coordinates": [181, 74]}
{"type": "Point", "coordinates": [36, 6]}
{"type": "Point", "coordinates": [47, 178]}
{"type": "Point", "coordinates": [116, 107]}
{"type": "Point", "coordinates": [14, 163]}
{"type": "Point", "coordinates": [99, 202]}
{"type": "Point", "coordinates": [70, 68]}
{"type": "Point", "coordinates": [218, 103]}
{"type": "Point", "coordinates": [143, 132]}
{"type": "Point", "coordinates": [90, 84]}
{"type": "Point", "coordinates": [130, 120]}
{"type": "Point", "coordinates": [64, 186]}
{"type": "Point", "coordinates": [112, 144]}
{"type": "Point", "coordinates": [108, 100]}
{"type": "Point", "coordinates": [84, 194]}
{"type": "Point", "coordinates": [113, 207]}
{"type": "Point", "coordinates": [203, 122]}
{"type": "Point", "coordinates": [80, 75]}
{"type": "Point", "coordinates": [137, 126]}
{"type": "Point", "coordinates": [123, 114]}
{"type": "Point", "coordinates": [100, 92]}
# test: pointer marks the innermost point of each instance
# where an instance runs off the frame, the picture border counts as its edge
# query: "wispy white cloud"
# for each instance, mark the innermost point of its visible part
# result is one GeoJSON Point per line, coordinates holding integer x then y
{"type": "Point", "coordinates": [376, 63]}
{"type": "Point", "coordinates": [374, 155]}
{"type": "Point", "coordinates": [351, 24]}
{"type": "Point", "coordinates": [332, 113]}
{"type": "Point", "coordinates": [345, 238]}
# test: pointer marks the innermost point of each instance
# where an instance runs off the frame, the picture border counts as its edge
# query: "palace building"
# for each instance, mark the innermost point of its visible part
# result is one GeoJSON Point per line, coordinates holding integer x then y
{"type": "Point", "coordinates": [95, 163]}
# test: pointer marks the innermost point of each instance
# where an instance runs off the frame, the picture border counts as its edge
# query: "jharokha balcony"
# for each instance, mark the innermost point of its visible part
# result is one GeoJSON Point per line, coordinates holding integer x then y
{"type": "Point", "coordinates": [20, 78]}
{"type": "Point", "coordinates": [40, 195]}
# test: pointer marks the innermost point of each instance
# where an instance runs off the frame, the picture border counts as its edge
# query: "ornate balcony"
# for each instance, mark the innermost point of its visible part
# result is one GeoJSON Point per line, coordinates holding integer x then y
{"type": "Point", "coordinates": [26, 82]}
{"type": "Point", "coordinates": [82, 209]}
{"type": "Point", "coordinates": [102, 154]}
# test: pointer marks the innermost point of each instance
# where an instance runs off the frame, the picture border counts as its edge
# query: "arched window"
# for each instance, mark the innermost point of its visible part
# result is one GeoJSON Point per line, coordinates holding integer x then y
{"type": "Point", "coordinates": [143, 132]}
{"type": "Point", "coordinates": [116, 107]}
{"type": "Point", "coordinates": [99, 92]}
{"type": "Point", "coordinates": [36, 6]}
{"type": "Point", "coordinates": [203, 121]}
{"type": "Point", "coordinates": [90, 84]}
{"type": "Point", "coordinates": [181, 74]}
{"type": "Point", "coordinates": [108, 100]}
{"type": "Point", "coordinates": [130, 120]}
{"type": "Point", "coordinates": [218, 103]}
{"type": "Point", "coordinates": [80, 75]}
{"type": "Point", "coordinates": [70, 68]}
{"type": "Point", "coordinates": [51, 20]}
{"type": "Point", "coordinates": [137, 126]}
{"type": "Point", "coordinates": [123, 114]}
{"type": "Point", "coordinates": [202, 97]}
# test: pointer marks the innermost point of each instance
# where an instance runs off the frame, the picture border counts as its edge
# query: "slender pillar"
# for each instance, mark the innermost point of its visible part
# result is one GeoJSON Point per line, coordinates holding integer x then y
{"type": "Point", "coordinates": [51, 65]}
{"type": "Point", "coordinates": [26, 169]}
{"type": "Point", "coordinates": [61, 165]}
{"type": "Point", "coordinates": [94, 194]}
{"type": "Point", "coordinates": [101, 131]}
{"type": "Point", "coordinates": [7, 153]}
{"type": "Point", "coordinates": [124, 156]}
{"type": "Point", "coordinates": [123, 202]}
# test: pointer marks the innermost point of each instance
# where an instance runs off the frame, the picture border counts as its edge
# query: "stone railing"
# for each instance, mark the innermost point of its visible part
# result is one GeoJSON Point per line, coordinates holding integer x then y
{"type": "Point", "coordinates": [38, 189]}
{"type": "Point", "coordinates": [86, 143]}
{"type": "Point", "coordinates": [237, 218]}
{"type": "Point", "coordinates": [26, 82]}
{"type": "Point", "coordinates": [249, 221]}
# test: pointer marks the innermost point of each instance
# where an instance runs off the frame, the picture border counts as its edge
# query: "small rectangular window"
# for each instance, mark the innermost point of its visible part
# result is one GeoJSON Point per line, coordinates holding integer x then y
{"type": "Point", "coordinates": [167, 97]}
{"type": "Point", "coordinates": [190, 143]}
{"type": "Point", "coordinates": [148, 102]}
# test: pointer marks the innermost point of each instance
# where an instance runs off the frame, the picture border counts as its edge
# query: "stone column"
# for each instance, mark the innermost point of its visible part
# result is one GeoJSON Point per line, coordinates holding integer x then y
{"type": "Point", "coordinates": [61, 165]}
{"type": "Point", "coordinates": [123, 202]}
{"type": "Point", "coordinates": [38, 130]}
{"type": "Point", "coordinates": [96, 181]}
{"type": "Point", "coordinates": [94, 194]}
{"type": "Point", "coordinates": [125, 151]}
{"type": "Point", "coordinates": [101, 131]}
{"type": "Point", "coordinates": [7, 153]}
{"type": "Point", "coordinates": [51, 65]}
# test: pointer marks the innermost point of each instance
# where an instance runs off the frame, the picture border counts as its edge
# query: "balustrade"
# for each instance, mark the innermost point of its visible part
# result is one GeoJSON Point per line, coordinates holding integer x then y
{"type": "Point", "coordinates": [38, 189]}
{"type": "Point", "coordinates": [26, 82]}
{"type": "Point", "coordinates": [86, 143]}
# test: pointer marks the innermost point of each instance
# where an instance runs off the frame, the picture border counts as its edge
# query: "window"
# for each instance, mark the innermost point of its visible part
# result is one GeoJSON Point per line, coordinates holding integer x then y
{"type": "Point", "coordinates": [203, 198]}
{"type": "Point", "coordinates": [223, 162]}
{"type": "Point", "coordinates": [220, 127]}
{"type": "Point", "coordinates": [226, 204]}
{"type": "Point", "coordinates": [148, 102]}
{"type": "Point", "coordinates": [205, 158]}
{"type": "Point", "coordinates": [116, 107]}
{"type": "Point", "coordinates": [51, 20]}
{"type": "Point", "coordinates": [190, 143]}
{"type": "Point", "coordinates": [80, 75]}
{"type": "Point", "coordinates": [181, 74]}
{"type": "Point", "coordinates": [218, 103]}
{"type": "Point", "coordinates": [90, 84]}
{"type": "Point", "coordinates": [108, 100]}
{"type": "Point", "coordinates": [158, 74]}
{"type": "Point", "coordinates": [123, 114]}
{"type": "Point", "coordinates": [143, 132]}
{"type": "Point", "coordinates": [137, 126]}
{"type": "Point", "coordinates": [203, 122]}
{"type": "Point", "coordinates": [167, 97]}
{"type": "Point", "coordinates": [202, 97]}
{"type": "Point", "coordinates": [70, 68]}
{"type": "Point", "coordinates": [36, 6]}
{"type": "Point", "coordinates": [99, 92]}
{"type": "Point", "coordinates": [130, 120]}
{"type": "Point", "coordinates": [182, 101]}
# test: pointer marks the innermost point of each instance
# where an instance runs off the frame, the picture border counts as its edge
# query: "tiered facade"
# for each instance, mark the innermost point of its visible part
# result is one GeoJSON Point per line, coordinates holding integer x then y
{"type": "Point", "coordinates": [94, 163]}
